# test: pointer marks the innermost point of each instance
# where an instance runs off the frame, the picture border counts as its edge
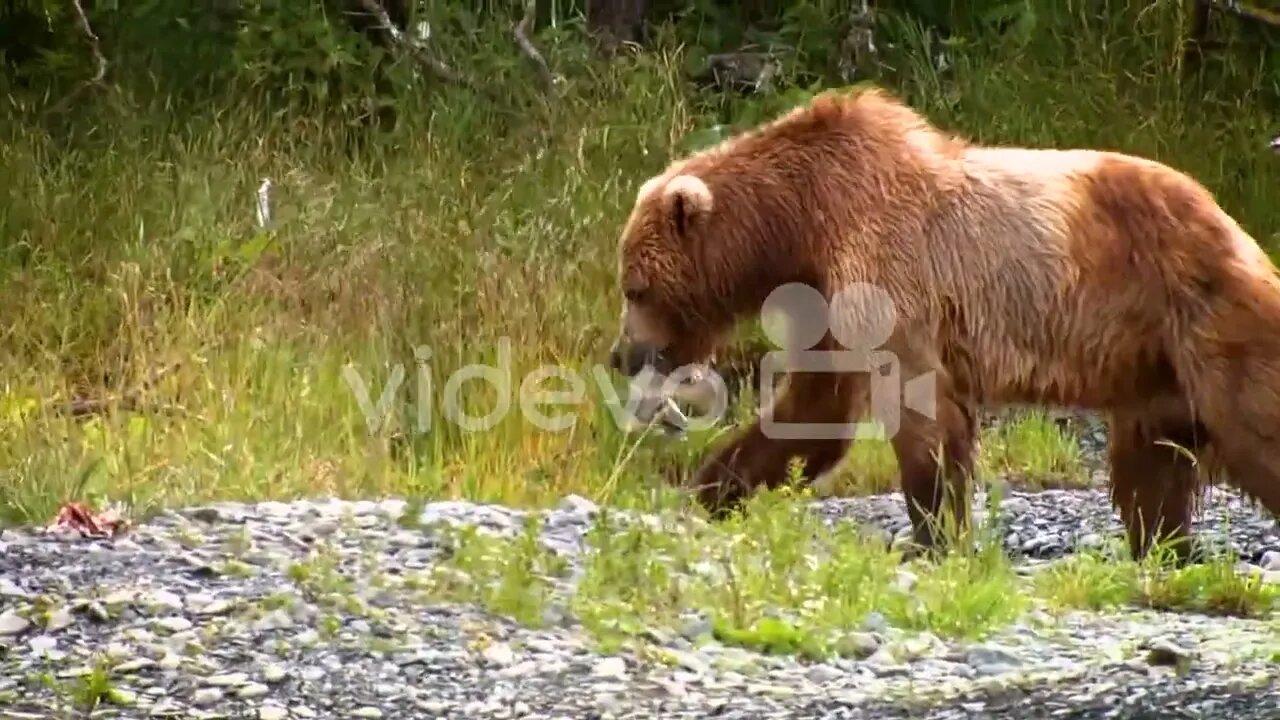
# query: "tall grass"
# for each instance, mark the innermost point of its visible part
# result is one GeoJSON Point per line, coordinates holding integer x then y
{"type": "Point", "coordinates": [478, 233]}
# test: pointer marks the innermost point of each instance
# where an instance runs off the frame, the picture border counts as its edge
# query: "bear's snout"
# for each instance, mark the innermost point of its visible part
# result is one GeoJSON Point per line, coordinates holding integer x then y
{"type": "Point", "coordinates": [629, 358]}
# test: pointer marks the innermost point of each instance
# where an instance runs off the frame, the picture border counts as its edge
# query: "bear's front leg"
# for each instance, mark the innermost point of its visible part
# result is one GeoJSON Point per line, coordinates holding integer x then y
{"type": "Point", "coordinates": [1154, 478]}
{"type": "Point", "coordinates": [935, 463]}
{"type": "Point", "coordinates": [761, 457]}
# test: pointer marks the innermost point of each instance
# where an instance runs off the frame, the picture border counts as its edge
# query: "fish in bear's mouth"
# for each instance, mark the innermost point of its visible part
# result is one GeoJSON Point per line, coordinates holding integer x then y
{"type": "Point", "coordinates": [658, 398]}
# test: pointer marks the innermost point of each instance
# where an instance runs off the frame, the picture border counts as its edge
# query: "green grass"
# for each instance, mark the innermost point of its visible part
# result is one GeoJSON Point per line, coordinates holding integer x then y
{"type": "Point", "coordinates": [1092, 581]}
{"type": "Point", "coordinates": [1033, 453]}
{"type": "Point", "coordinates": [132, 266]}
{"type": "Point", "coordinates": [775, 579]}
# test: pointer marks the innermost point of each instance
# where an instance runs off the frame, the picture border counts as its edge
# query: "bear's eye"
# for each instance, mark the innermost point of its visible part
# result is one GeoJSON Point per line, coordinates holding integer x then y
{"type": "Point", "coordinates": [635, 294]}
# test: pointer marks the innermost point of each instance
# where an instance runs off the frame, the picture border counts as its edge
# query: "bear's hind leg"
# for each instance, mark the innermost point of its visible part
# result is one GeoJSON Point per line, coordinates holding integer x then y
{"type": "Point", "coordinates": [935, 464]}
{"type": "Point", "coordinates": [1153, 480]}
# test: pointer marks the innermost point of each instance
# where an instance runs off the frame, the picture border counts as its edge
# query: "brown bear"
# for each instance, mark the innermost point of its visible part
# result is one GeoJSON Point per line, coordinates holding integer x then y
{"type": "Point", "coordinates": [1066, 278]}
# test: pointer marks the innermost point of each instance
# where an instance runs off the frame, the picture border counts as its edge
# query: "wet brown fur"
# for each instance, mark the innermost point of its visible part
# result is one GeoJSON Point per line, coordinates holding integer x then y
{"type": "Point", "coordinates": [1061, 277]}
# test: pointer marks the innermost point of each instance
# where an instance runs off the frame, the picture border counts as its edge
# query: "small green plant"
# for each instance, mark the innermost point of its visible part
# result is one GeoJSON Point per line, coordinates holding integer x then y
{"type": "Point", "coordinates": [1087, 581]}
{"type": "Point", "coordinates": [1215, 587]}
{"type": "Point", "coordinates": [1034, 453]}
{"type": "Point", "coordinates": [634, 578]}
{"type": "Point", "coordinates": [1093, 581]}
{"type": "Point", "coordinates": [509, 576]}
{"type": "Point", "coordinates": [93, 688]}
{"type": "Point", "coordinates": [774, 636]}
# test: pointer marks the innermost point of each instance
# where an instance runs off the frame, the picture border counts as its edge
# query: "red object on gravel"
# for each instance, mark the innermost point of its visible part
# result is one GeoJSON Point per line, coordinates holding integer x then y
{"type": "Point", "coordinates": [77, 517]}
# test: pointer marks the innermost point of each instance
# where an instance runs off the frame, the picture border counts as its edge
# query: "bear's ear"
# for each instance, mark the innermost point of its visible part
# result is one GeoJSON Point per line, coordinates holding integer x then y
{"type": "Point", "coordinates": [688, 200]}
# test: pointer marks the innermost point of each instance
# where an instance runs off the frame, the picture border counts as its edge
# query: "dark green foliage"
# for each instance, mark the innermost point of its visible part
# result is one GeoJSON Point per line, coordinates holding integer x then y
{"type": "Point", "coordinates": [327, 54]}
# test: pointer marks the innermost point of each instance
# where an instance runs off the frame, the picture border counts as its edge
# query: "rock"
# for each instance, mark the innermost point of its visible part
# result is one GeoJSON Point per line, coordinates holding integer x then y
{"type": "Point", "coordinates": [415, 660]}
{"type": "Point", "coordinates": [59, 619]}
{"type": "Point", "coordinates": [227, 680]}
{"type": "Point", "coordinates": [119, 651]}
{"type": "Point", "coordinates": [272, 712]}
{"type": "Point", "coordinates": [215, 607]}
{"type": "Point", "coordinates": [992, 659]}
{"type": "Point", "coordinates": [9, 589]}
{"type": "Point", "coordinates": [1016, 506]}
{"type": "Point", "coordinates": [307, 637]}
{"type": "Point", "coordinates": [883, 663]}
{"type": "Point", "coordinates": [859, 645]}
{"type": "Point", "coordinates": [11, 623]}
{"type": "Point", "coordinates": [120, 597]}
{"type": "Point", "coordinates": [1163, 651]}
{"type": "Point", "coordinates": [167, 708]}
{"type": "Point", "coordinates": [206, 696]}
{"type": "Point", "coordinates": [45, 647]}
{"type": "Point", "coordinates": [1270, 560]}
{"type": "Point", "coordinates": [689, 661]}
{"type": "Point", "coordinates": [134, 665]}
{"type": "Point", "coordinates": [499, 654]}
{"type": "Point", "coordinates": [875, 622]}
{"type": "Point", "coordinates": [173, 624]}
{"type": "Point", "coordinates": [163, 600]}
{"type": "Point", "coordinates": [577, 505]}
{"type": "Point", "coordinates": [696, 626]}
{"type": "Point", "coordinates": [1090, 541]}
{"type": "Point", "coordinates": [520, 669]}
{"type": "Point", "coordinates": [209, 515]}
{"type": "Point", "coordinates": [367, 712]}
{"type": "Point", "coordinates": [252, 690]}
{"type": "Point", "coordinates": [610, 667]}
{"type": "Point", "coordinates": [275, 619]}
{"type": "Point", "coordinates": [823, 674]}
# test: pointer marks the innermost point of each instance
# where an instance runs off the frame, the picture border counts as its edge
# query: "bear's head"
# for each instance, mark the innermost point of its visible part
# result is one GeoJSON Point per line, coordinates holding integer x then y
{"type": "Point", "coordinates": [680, 257]}
{"type": "Point", "coordinates": [662, 323]}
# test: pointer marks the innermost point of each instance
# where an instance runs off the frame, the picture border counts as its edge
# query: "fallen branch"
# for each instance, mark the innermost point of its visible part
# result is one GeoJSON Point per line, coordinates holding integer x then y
{"type": "Point", "coordinates": [99, 59]}
{"type": "Point", "coordinates": [1198, 41]}
{"type": "Point", "coordinates": [130, 401]}
{"type": "Point", "coordinates": [438, 67]}
{"type": "Point", "coordinates": [95, 46]}
{"type": "Point", "coordinates": [1245, 12]}
{"type": "Point", "coordinates": [85, 407]}
{"type": "Point", "coordinates": [521, 32]}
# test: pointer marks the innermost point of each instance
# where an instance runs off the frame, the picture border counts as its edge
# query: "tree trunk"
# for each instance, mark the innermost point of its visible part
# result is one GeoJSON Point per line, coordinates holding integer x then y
{"type": "Point", "coordinates": [613, 22]}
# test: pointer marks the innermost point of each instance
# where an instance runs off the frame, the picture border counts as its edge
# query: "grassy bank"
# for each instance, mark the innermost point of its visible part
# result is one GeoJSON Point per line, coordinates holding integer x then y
{"type": "Point", "coordinates": [780, 581]}
{"type": "Point", "coordinates": [478, 232]}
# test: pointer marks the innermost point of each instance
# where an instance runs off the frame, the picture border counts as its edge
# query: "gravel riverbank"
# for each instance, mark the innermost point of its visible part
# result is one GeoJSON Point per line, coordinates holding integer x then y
{"type": "Point", "coordinates": [197, 614]}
